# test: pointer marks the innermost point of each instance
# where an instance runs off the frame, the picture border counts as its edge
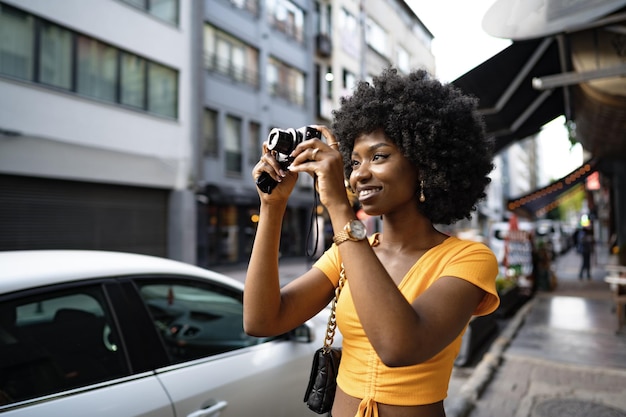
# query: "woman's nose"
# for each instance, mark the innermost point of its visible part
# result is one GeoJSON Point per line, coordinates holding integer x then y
{"type": "Point", "coordinates": [361, 173]}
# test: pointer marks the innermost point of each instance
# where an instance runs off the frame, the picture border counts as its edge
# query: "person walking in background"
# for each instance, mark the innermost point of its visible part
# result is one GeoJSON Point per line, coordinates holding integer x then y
{"type": "Point", "coordinates": [585, 247]}
{"type": "Point", "coordinates": [543, 264]}
{"type": "Point", "coordinates": [414, 153]}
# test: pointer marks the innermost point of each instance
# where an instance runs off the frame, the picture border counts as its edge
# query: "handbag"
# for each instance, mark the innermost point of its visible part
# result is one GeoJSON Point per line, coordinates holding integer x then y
{"type": "Point", "coordinates": [320, 392]}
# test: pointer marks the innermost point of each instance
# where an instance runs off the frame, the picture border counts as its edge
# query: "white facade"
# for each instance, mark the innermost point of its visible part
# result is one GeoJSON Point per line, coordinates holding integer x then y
{"type": "Point", "coordinates": [57, 133]}
{"type": "Point", "coordinates": [64, 135]}
{"type": "Point", "coordinates": [367, 36]}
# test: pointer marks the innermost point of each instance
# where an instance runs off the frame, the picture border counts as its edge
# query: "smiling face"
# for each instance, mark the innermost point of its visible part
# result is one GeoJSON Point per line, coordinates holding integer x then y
{"type": "Point", "coordinates": [383, 179]}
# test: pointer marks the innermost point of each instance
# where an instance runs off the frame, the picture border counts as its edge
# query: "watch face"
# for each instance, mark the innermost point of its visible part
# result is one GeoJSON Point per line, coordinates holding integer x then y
{"type": "Point", "coordinates": [357, 229]}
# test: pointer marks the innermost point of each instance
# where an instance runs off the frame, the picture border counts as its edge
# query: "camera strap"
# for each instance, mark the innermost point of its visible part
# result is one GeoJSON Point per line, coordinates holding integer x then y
{"type": "Point", "coordinates": [313, 232]}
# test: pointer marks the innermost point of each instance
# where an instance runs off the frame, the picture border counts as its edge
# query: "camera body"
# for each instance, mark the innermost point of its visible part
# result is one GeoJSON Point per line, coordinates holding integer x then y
{"type": "Point", "coordinates": [283, 142]}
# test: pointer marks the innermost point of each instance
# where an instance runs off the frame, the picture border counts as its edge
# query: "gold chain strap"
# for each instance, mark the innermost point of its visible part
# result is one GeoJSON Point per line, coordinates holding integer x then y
{"type": "Point", "coordinates": [332, 322]}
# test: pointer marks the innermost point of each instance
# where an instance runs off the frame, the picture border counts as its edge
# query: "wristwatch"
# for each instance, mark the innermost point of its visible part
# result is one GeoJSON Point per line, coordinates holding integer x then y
{"type": "Point", "coordinates": [353, 230]}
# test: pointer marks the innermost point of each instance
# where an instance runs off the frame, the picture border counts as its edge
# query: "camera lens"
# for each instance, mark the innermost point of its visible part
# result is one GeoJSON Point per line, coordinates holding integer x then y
{"type": "Point", "coordinates": [282, 141]}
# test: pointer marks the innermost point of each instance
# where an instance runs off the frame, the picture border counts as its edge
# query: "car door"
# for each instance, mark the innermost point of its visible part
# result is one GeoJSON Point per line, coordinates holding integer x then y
{"type": "Point", "coordinates": [215, 368]}
{"type": "Point", "coordinates": [61, 355]}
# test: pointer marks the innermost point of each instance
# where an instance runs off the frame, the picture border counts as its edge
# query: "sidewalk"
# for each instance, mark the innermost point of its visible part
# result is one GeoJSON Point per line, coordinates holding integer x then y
{"type": "Point", "coordinates": [559, 356]}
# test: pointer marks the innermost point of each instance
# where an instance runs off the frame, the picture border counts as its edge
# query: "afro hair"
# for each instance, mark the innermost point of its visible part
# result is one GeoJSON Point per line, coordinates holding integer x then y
{"type": "Point", "coordinates": [435, 126]}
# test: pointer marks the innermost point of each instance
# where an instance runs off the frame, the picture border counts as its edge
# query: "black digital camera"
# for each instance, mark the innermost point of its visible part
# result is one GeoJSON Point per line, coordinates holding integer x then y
{"type": "Point", "coordinates": [283, 142]}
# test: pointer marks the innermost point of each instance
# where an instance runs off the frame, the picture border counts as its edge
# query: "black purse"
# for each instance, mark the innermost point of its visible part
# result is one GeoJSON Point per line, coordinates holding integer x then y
{"type": "Point", "coordinates": [320, 393]}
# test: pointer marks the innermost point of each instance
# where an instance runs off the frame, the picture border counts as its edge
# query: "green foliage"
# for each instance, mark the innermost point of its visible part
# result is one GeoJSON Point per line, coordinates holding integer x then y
{"type": "Point", "coordinates": [503, 284]}
{"type": "Point", "coordinates": [572, 202]}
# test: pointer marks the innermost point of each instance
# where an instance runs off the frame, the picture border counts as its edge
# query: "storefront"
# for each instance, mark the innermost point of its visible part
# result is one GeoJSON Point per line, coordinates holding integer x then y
{"type": "Point", "coordinates": [227, 223]}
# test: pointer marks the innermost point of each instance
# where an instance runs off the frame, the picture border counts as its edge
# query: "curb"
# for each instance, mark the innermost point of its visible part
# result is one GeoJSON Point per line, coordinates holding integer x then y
{"type": "Point", "coordinates": [483, 373]}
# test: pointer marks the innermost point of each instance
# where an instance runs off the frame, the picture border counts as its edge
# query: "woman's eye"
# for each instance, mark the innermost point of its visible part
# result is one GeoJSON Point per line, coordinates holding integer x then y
{"type": "Point", "coordinates": [379, 156]}
{"type": "Point", "coordinates": [354, 163]}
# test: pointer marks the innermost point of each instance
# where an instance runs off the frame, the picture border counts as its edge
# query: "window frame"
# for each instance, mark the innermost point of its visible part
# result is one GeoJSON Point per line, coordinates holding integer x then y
{"type": "Point", "coordinates": [148, 6]}
{"type": "Point", "coordinates": [113, 63]}
{"type": "Point", "coordinates": [222, 50]}
{"type": "Point", "coordinates": [233, 146]}
{"type": "Point", "coordinates": [96, 288]}
{"type": "Point", "coordinates": [292, 24]}
{"type": "Point", "coordinates": [210, 140]}
{"type": "Point", "coordinates": [286, 82]}
{"type": "Point", "coordinates": [204, 287]}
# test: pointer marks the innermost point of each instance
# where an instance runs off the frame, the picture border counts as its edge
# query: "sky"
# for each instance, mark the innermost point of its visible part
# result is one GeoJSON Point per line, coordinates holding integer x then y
{"type": "Point", "coordinates": [461, 44]}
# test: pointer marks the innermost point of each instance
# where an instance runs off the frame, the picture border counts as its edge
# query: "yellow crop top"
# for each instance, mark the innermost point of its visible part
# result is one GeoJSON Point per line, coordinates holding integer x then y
{"type": "Point", "coordinates": [362, 374]}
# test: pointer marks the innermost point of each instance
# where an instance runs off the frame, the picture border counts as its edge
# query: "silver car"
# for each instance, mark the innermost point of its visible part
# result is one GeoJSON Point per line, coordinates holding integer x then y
{"type": "Point", "coordinates": [117, 334]}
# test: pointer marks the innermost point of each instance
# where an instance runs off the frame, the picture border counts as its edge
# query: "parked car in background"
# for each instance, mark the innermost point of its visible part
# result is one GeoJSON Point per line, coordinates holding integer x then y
{"type": "Point", "coordinates": [115, 334]}
{"type": "Point", "coordinates": [498, 233]}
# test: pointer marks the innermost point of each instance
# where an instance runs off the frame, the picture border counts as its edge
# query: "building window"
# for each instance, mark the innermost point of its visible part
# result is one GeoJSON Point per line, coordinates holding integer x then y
{"type": "Point", "coordinates": [348, 83]}
{"type": "Point", "coordinates": [231, 57]}
{"type": "Point", "coordinates": [232, 144]}
{"type": "Point", "coordinates": [376, 37]}
{"type": "Point", "coordinates": [404, 60]}
{"type": "Point", "coordinates": [323, 19]}
{"type": "Point", "coordinates": [285, 81]}
{"type": "Point", "coordinates": [55, 56]}
{"type": "Point", "coordinates": [287, 18]}
{"type": "Point", "coordinates": [17, 34]}
{"type": "Point", "coordinates": [166, 10]}
{"type": "Point", "coordinates": [251, 6]}
{"type": "Point", "coordinates": [83, 65]}
{"type": "Point", "coordinates": [133, 80]}
{"type": "Point", "coordinates": [162, 90]}
{"type": "Point", "coordinates": [350, 35]}
{"type": "Point", "coordinates": [254, 143]}
{"type": "Point", "coordinates": [209, 132]}
{"type": "Point", "coordinates": [96, 70]}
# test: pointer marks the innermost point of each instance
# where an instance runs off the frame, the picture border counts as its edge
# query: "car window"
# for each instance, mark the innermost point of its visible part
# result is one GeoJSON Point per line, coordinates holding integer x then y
{"type": "Point", "coordinates": [56, 341]}
{"type": "Point", "coordinates": [196, 320]}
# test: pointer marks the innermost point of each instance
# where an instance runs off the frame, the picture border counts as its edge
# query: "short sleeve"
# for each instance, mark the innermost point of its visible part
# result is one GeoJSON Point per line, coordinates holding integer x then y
{"type": "Point", "coordinates": [330, 264]}
{"type": "Point", "coordinates": [476, 263]}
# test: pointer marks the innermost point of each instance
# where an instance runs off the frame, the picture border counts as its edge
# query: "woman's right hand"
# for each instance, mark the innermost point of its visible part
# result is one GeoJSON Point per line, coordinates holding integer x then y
{"type": "Point", "coordinates": [286, 180]}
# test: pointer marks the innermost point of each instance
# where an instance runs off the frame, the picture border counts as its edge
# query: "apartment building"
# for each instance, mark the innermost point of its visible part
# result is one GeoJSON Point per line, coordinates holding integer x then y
{"type": "Point", "coordinates": [134, 125]}
{"type": "Point", "coordinates": [256, 75]}
{"type": "Point", "coordinates": [356, 39]}
{"type": "Point", "coordinates": [285, 64]}
{"type": "Point", "coordinates": [96, 126]}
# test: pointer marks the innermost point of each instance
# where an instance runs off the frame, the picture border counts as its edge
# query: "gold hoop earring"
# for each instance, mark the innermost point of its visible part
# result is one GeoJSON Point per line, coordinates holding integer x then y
{"type": "Point", "coordinates": [422, 196]}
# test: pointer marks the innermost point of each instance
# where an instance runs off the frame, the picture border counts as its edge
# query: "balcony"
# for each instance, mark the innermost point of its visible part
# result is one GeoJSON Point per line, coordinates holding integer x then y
{"type": "Point", "coordinates": [323, 45]}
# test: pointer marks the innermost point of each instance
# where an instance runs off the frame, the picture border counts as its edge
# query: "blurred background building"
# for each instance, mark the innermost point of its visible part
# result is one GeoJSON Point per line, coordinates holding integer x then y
{"type": "Point", "coordinates": [97, 125]}
{"type": "Point", "coordinates": [134, 125]}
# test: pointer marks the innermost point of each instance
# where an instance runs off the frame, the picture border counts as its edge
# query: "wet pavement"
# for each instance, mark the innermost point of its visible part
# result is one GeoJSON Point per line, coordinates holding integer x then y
{"type": "Point", "coordinates": [559, 355]}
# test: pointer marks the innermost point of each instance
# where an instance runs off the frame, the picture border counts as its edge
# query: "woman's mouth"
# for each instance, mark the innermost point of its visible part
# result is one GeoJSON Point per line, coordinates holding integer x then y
{"type": "Point", "coordinates": [366, 193]}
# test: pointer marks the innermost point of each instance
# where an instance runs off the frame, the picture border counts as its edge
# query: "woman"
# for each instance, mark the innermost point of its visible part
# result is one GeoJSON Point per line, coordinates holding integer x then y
{"type": "Point", "coordinates": [415, 154]}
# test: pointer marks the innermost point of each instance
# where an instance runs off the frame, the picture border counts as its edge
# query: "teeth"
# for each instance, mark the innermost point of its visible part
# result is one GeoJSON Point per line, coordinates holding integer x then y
{"type": "Point", "coordinates": [364, 193]}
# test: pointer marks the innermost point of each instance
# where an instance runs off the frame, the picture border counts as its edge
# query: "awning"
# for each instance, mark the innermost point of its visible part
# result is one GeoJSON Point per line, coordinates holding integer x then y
{"type": "Point", "coordinates": [543, 200]}
{"type": "Point", "coordinates": [512, 108]}
{"type": "Point", "coordinates": [579, 73]}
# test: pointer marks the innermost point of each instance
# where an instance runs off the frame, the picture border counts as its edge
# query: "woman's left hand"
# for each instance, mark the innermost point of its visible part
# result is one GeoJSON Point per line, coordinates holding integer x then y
{"type": "Point", "coordinates": [323, 160]}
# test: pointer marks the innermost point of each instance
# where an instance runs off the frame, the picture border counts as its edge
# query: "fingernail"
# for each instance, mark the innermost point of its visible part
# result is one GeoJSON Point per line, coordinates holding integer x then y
{"type": "Point", "coordinates": [282, 173]}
